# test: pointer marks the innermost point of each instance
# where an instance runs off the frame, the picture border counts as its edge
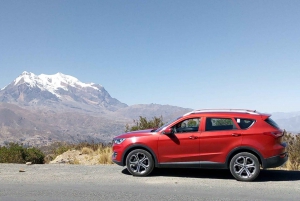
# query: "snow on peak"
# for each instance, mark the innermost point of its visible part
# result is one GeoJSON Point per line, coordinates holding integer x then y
{"type": "Point", "coordinates": [51, 82]}
{"type": "Point", "coordinates": [26, 73]}
{"type": "Point", "coordinates": [27, 77]}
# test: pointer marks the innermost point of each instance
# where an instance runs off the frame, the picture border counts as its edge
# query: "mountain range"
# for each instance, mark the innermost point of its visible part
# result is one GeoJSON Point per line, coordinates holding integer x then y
{"type": "Point", "coordinates": [41, 109]}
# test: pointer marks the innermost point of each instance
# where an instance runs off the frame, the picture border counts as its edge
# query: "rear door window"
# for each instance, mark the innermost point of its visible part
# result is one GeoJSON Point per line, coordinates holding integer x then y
{"type": "Point", "coordinates": [244, 123]}
{"type": "Point", "coordinates": [218, 124]}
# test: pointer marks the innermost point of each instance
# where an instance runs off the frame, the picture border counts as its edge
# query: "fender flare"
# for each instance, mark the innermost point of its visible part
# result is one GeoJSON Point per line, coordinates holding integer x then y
{"type": "Point", "coordinates": [244, 149]}
{"type": "Point", "coordinates": [139, 146]}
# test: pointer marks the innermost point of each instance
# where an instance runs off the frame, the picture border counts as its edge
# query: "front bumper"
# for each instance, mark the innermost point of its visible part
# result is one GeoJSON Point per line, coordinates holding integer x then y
{"type": "Point", "coordinates": [118, 162]}
{"type": "Point", "coordinates": [276, 161]}
{"type": "Point", "coordinates": [117, 159]}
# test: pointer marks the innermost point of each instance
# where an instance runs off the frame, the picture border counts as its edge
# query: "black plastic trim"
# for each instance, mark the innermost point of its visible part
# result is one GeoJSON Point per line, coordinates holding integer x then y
{"type": "Point", "coordinates": [118, 162]}
{"type": "Point", "coordinates": [194, 164]}
{"type": "Point", "coordinates": [213, 165]}
{"type": "Point", "coordinates": [276, 161]}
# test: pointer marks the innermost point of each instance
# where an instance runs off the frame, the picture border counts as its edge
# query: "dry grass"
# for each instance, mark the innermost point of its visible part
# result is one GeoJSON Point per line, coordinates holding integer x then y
{"type": "Point", "coordinates": [85, 154]}
{"type": "Point", "coordinates": [293, 150]}
{"type": "Point", "coordinates": [75, 162]}
{"type": "Point", "coordinates": [292, 166]}
{"type": "Point", "coordinates": [87, 150]}
{"type": "Point", "coordinates": [104, 155]}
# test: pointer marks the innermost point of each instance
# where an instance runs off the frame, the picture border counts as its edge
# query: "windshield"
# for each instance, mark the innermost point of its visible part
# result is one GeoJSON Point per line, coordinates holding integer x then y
{"type": "Point", "coordinates": [167, 124]}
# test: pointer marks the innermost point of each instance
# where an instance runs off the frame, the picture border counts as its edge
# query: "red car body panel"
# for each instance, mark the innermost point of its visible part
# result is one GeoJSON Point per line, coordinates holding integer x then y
{"type": "Point", "coordinates": [179, 148]}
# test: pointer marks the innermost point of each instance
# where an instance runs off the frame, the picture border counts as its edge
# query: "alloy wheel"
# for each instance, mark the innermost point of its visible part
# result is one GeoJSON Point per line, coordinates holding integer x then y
{"type": "Point", "coordinates": [139, 162]}
{"type": "Point", "coordinates": [244, 166]}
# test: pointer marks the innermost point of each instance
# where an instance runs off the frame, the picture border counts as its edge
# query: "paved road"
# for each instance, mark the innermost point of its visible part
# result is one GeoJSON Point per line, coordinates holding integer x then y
{"type": "Point", "coordinates": [111, 182]}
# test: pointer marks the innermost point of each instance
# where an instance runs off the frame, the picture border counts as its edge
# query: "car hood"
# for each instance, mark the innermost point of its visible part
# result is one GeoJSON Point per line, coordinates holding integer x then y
{"type": "Point", "coordinates": [139, 133]}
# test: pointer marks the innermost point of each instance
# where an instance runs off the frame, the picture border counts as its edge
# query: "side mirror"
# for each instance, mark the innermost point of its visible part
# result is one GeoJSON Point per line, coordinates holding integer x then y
{"type": "Point", "coordinates": [168, 131]}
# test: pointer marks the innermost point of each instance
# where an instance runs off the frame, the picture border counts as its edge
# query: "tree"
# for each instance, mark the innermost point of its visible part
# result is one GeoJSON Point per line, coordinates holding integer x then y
{"type": "Point", "coordinates": [143, 124]}
{"type": "Point", "coordinates": [223, 122]}
{"type": "Point", "coordinates": [192, 123]}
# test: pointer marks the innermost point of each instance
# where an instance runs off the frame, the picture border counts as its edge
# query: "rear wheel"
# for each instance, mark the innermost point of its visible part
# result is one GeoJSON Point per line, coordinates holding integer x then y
{"type": "Point", "coordinates": [139, 162]}
{"type": "Point", "coordinates": [244, 166]}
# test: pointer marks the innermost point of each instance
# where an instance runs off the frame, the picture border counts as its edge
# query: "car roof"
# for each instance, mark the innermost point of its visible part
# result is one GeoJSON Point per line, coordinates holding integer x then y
{"type": "Point", "coordinates": [226, 111]}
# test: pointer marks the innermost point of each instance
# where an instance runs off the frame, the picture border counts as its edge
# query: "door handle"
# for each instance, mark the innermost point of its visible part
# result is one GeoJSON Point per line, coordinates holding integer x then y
{"type": "Point", "coordinates": [236, 134]}
{"type": "Point", "coordinates": [193, 137]}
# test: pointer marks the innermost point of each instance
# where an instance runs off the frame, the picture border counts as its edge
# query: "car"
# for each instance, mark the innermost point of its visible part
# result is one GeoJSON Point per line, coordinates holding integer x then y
{"type": "Point", "coordinates": [243, 141]}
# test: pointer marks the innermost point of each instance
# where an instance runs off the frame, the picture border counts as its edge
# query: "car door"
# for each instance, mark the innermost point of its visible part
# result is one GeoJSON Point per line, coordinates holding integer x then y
{"type": "Point", "coordinates": [181, 148]}
{"type": "Point", "coordinates": [219, 137]}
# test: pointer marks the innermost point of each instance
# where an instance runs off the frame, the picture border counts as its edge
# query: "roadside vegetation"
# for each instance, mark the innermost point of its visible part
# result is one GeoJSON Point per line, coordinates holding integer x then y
{"type": "Point", "coordinates": [15, 153]}
{"type": "Point", "coordinates": [293, 149]}
{"type": "Point", "coordinates": [82, 153]}
{"type": "Point", "coordinates": [142, 123]}
{"type": "Point", "coordinates": [101, 153]}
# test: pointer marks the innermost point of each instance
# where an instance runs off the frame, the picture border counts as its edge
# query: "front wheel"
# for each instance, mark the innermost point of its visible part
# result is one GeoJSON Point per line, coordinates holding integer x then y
{"type": "Point", "coordinates": [244, 166]}
{"type": "Point", "coordinates": [139, 162]}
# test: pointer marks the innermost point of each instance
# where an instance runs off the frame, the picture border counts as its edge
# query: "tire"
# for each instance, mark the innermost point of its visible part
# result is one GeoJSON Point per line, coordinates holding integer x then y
{"type": "Point", "coordinates": [139, 162]}
{"type": "Point", "coordinates": [244, 166]}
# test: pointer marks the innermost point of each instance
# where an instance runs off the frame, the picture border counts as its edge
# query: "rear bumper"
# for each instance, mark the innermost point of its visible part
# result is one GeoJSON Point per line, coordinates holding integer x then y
{"type": "Point", "coordinates": [276, 161]}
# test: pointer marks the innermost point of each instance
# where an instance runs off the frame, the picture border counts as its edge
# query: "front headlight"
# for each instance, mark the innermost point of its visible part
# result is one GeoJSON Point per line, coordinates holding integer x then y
{"type": "Point", "coordinates": [118, 140]}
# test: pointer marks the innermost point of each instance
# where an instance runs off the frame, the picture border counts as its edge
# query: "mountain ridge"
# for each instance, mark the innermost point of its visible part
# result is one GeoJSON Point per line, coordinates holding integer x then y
{"type": "Point", "coordinates": [58, 91]}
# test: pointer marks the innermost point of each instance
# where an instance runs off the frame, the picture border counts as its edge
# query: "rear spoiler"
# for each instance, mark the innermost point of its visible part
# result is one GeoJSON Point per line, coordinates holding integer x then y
{"type": "Point", "coordinates": [264, 116]}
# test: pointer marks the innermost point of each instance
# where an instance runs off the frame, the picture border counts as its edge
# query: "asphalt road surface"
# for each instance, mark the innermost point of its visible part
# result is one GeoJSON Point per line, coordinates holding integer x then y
{"type": "Point", "coordinates": [112, 182]}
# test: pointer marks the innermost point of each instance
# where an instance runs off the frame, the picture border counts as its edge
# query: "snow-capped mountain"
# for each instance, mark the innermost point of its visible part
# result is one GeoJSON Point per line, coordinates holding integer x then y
{"type": "Point", "coordinates": [58, 91]}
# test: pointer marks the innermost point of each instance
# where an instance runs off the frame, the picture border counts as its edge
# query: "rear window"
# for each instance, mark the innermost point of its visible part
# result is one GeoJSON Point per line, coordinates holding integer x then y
{"type": "Point", "coordinates": [244, 123]}
{"type": "Point", "coordinates": [272, 123]}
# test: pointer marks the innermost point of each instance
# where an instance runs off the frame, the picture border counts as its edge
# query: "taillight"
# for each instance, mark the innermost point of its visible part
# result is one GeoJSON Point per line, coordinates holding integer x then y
{"type": "Point", "coordinates": [275, 134]}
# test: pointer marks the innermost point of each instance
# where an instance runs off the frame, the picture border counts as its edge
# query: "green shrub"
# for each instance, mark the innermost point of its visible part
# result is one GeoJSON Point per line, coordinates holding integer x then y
{"type": "Point", "coordinates": [15, 153]}
{"type": "Point", "coordinates": [143, 124]}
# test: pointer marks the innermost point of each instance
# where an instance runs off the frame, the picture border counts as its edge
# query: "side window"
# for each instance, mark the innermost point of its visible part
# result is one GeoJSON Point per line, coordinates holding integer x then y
{"type": "Point", "coordinates": [216, 124]}
{"type": "Point", "coordinates": [245, 123]}
{"type": "Point", "coordinates": [188, 125]}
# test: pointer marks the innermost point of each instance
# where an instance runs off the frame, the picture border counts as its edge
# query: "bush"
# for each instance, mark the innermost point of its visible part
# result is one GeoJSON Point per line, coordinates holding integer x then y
{"type": "Point", "coordinates": [15, 153]}
{"type": "Point", "coordinates": [293, 149]}
{"type": "Point", "coordinates": [143, 124]}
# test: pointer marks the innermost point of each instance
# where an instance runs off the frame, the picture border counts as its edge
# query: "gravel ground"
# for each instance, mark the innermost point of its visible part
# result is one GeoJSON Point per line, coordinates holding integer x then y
{"type": "Point", "coordinates": [112, 182]}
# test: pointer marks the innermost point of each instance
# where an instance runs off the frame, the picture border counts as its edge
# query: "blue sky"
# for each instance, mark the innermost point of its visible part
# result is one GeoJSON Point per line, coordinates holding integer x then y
{"type": "Point", "coordinates": [194, 54]}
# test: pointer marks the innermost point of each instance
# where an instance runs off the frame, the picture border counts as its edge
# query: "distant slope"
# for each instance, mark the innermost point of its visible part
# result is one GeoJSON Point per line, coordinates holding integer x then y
{"type": "Point", "coordinates": [43, 127]}
{"type": "Point", "coordinates": [291, 124]}
{"type": "Point", "coordinates": [290, 121]}
{"type": "Point", "coordinates": [151, 110]}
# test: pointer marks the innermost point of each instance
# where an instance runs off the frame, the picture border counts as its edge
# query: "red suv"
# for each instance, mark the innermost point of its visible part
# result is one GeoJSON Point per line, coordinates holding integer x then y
{"type": "Point", "coordinates": [242, 141]}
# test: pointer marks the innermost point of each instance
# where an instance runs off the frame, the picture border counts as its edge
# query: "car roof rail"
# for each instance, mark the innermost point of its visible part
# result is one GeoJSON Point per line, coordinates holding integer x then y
{"type": "Point", "coordinates": [223, 110]}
